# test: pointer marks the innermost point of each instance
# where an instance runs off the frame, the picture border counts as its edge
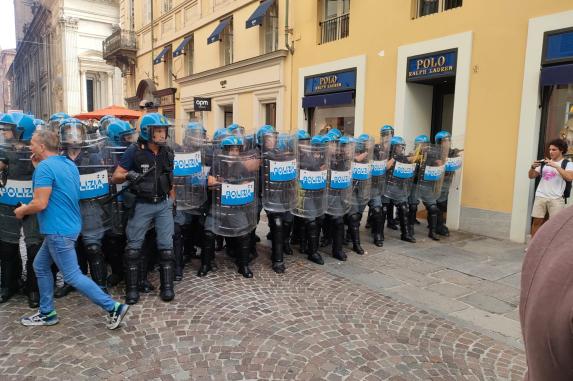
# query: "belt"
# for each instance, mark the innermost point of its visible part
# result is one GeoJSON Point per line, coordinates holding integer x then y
{"type": "Point", "coordinates": [152, 200]}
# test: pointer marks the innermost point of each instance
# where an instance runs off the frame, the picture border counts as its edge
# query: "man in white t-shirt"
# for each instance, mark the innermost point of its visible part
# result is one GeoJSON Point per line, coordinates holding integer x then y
{"type": "Point", "coordinates": [549, 197]}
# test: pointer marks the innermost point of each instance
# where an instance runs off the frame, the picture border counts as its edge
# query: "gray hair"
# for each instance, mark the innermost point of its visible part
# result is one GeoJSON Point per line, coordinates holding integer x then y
{"type": "Point", "coordinates": [49, 139]}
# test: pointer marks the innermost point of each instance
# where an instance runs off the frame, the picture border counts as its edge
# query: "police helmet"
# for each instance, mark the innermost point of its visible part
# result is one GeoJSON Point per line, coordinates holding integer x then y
{"type": "Point", "coordinates": [335, 131]}
{"type": "Point", "coordinates": [421, 139]}
{"type": "Point", "coordinates": [220, 133]}
{"type": "Point", "coordinates": [120, 132]}
{"type": "Point", "coordinates": [317, 140]}
{"type": "Point", "coordinates": [262, 131]}
{"type": "Point", "coordinates": [73, 133]}
{"type": "Point", "coordinates": [397, 140]}
{"type": "Point", "coordinates": [25, 128]}
{"type": "Point", "coordinates": [231, 141]}
{"type": "Point", "coordinates": [150, 121]}
{"type": "Point", "coordinates": [302, 135]}
{"type": "Point", "coordinates": [442, 135]}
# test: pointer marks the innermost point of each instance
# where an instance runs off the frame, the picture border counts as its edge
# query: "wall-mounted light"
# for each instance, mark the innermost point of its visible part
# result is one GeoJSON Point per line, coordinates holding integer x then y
{"type": "Point", "coordinates": [223, 83]}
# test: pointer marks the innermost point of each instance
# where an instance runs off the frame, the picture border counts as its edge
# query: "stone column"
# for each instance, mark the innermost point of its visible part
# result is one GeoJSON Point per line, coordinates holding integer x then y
{"type": "Point", "coordinates": [109, 89]}
{"type": "Point", "coordinates": [84, 92]}
{"type": "Point", "coordinates": [71, 71]}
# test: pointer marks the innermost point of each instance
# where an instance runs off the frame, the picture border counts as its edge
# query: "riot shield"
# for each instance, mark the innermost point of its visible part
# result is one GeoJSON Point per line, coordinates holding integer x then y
{"type": "Point", "coordinates": [17, 189]}
{"type": "Point", "coordinates": [454, 163]}
{"type": "Point", "coordinates": [340, 178]}
{"type": "Point", "coordinates": [189, 179]}
{"type": "Point", "coordinates": [431, 173]}
{"type": "Point", "coordinates": [279, 155]}
{"type": "Point", "coordinates": [118, 212]}
{"type": "Point", "coordinates": [311, 184]}
{"type": "Point", "coordinates": [362, 171]}
{"type": "Point", "coordinates": [234, 204]}
{"type": "Point", "coordinates": [400, 177]}
{"type": "Point", "coordinates": [379, 163]}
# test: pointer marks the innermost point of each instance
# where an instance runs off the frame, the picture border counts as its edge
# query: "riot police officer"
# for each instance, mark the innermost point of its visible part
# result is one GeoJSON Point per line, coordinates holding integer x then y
{"type": "Point", "coordinates": [377, 208]}
{"type": "Point", "coordinates": [16, 133]}
{"type": "Point", "coordinates": [55, 121]}
{"type": "Point", "coordinates": [399, 183]}
{"type": "Point", "coordinates": [86, 151]}
{"type": "Point", "coordinates": [453, 164]}
{"type": "Point", "coordinates": [149, 166]}
{"type": "Point", "coordinates": [233, 213]}
{"type": "Point", "coordinates": [279, 170]}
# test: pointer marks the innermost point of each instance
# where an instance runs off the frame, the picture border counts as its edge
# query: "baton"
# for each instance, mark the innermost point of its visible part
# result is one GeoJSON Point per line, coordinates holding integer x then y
{"type": "Point", "coordinates": [130, 185]}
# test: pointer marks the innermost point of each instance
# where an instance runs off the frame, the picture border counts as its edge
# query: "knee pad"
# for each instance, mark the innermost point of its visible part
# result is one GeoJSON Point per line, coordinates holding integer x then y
{"type": "Point", "coordinates": [277, 221]}
{"type": "Point", "coordinates": [132, 255]}
{"type": "Point", "coordinates": [433, 209]}
{"type": "Point", "coordinates": [93, 251]}
{"type": "Point", "coordinates": [166, 255]}
{"type": "Point", "coordinates": [376, 210]}
{"type": "Point", "coordinates": [355, 218]}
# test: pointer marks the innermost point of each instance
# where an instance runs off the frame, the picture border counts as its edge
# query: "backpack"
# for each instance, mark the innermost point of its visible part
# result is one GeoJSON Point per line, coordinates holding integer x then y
{"type": "Point", "coordinates": [567, 191]}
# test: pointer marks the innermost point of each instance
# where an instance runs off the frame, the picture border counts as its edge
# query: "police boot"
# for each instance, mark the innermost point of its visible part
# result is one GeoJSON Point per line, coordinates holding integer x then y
{"type": "Point", "coordinates": [287, 227]}
{"type": "Point", "coordinates": [276, 224]}
{"type": "Point", "coordinates": [32, 290]}
{"type": "Point", "coordinates": [243, 244]}
{"type": "Point", "coordinates": [403, 219]}
{"type": "Point", "coordinates": [166, 275]}
{"type": "Point", "coordinates": [253, 246]}
{"type": "Point", "coordinates": [145, 285]}
{"type": "Point", "coordinates": [9, 274]}
{"type": "Point", "coordinates": [338, 239]}
{"type": "Point", "coordinates": [347, 236]}
{"type": "Point", "coordinates": [441, 227]}
{"type": "Point", "coordinates": [390, 220]}
{"type": "Point", "coordinates": [377, 220]}
{"type": "Point", "coordinates": [219, 243]}
{"type": "Point", "coordinates": [207, 253]}
{"type": "Point", "coordinates": [355, 233]}
{"type": "Point", "coordinates": [412, 211]}
{"type": "Point", "coordinates": [178, 252]}
{"type": "Point", "coordinates": [98, 267]}
{"type": "Point", "coordinates": [433, 212]}
{"type": "Point", "coordinates": [132, 265]}
{"type": "Point", "coordinates": [188, 234]}
{"type": "Point", "coordinates": [326, 227]}
{"type": "Point", "coordinates": [113, 249]}
{"type": "Point", "coordinates": [312, 243]}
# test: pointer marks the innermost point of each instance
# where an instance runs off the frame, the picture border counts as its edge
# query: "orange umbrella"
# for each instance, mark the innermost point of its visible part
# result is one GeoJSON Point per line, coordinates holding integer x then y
{"type": "Point", "coordinates": [117, 111]}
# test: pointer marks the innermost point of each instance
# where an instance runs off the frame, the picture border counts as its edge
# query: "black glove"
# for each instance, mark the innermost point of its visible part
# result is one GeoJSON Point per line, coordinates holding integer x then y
{"type": "Point", "coordinates": [132, 176]}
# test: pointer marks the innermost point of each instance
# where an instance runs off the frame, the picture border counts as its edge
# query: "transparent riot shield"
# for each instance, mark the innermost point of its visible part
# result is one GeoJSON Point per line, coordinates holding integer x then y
{"type": "Point", "coordinates": [234, 204]}
{"type": "Point", "coordinates": [379, 163]}
{"type": "Point", "coordinates": [189, 177]}
{"type": "Point", "coordinates": [279, 158]}
{"type": "Point", "coordinates": [119, 215]}
{"type": "Point", "coordinates": [362, 171]}
{"type": "Point", "coordinates": [431, 173]}
{"type": "Point", "coordinates": [454, 163]}
{"type": "Point", "coordinates": [340, 178]}
{"type": "Point", "coordinates": [15, 159]}
{"type": "Point", "coordinates": [400, 177]}
{"type": "Point", "coordinates": [313, 164]}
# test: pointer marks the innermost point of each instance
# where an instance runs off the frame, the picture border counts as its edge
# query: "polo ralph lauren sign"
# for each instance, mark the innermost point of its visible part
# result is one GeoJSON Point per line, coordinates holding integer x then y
{"type": "Point", "coordinates": [433, 65]}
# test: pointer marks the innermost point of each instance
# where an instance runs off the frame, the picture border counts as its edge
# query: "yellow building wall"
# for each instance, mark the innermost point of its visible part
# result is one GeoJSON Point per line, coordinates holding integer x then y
{"type": "Point", "coordinates": [499, 38]}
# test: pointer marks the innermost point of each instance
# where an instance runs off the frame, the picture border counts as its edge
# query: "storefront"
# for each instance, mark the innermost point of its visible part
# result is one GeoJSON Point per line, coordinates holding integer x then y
{"type": "Point", "coordinates": [556, 87]}
{"type": "Point", "coordinates": [329, 101]}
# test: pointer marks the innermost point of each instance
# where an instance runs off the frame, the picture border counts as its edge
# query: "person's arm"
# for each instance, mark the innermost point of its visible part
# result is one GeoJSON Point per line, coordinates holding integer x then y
{"type": "Point", "coordinates": [38, 203]}
{"type": "Point", "coordinates": [124, 166]}
{"type": "Point", "coordinates": [119, 175]}
{"type": "Point", "coordinates": [567, 175]}
{"type": "Point", "coordinates": [533, 172]}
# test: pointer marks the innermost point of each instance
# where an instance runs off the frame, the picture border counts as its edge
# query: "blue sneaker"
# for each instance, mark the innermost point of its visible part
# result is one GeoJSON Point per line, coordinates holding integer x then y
{"type": "Point", "coordinates": [117, 315]}
{"type": "Point", "coordinates": [40, 319]}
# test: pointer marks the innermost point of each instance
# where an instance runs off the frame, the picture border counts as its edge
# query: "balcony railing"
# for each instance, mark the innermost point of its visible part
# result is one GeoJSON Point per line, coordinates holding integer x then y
{"type": "Point", "coordinates": [334, 29]}
{"type": "Point", "coordinates": [119, 40]}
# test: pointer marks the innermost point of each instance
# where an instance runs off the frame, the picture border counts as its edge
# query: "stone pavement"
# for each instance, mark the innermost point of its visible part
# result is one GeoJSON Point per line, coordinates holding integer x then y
{"type": "Point", "coordinates": [403, 312]}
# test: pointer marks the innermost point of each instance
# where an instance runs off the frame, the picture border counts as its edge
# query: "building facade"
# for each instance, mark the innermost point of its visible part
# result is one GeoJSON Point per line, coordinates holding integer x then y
{"type": "Point", "coordinates": [218, 61]}
{"type": "Point", "coordinates": [59, 64]}
{"type": "Point", "coordinates": [476, 69]}
{"type": "Point", "coordinates": [6, 58]}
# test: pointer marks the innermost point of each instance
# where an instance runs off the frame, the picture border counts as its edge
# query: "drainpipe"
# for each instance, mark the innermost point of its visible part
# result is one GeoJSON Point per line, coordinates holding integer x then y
{"type": "Point", "coordinates": [152, 44]}
{"type": "Point", "coordinates": [288, 30]}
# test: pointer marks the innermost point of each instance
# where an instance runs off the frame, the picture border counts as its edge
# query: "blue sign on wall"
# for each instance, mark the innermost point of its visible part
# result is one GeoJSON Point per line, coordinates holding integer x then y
{"type": "Point", "coordinates": [330, 82]}
{"type": "Point", "coordinates": [433, 65]}
{"type": "Point", "coordinates": [558, 46]}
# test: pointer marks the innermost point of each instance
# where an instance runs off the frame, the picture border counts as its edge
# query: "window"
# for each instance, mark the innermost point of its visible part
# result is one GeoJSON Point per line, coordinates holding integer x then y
{"type": "Point", "coordinates": [90, 94]}
{"type": "Point", "coordinates": [270, 30]}
{"type": "Point", "coordinates": [188, 51]}
{"type": "Point", "coordinates": [271, 114]}
{"type": "Point", "coordinates": [428, 7]}
{"type": "Point", "coordinates": [168, 68]}
{"type": "Point", "coordinates": [146, 11]}
{"type": "Point", "coordinates": [167, 5]}
{"type": "Point", "coordinates": [227, 114]}
{"type": "Point", "coordinates": [336, 20]}
{"type": "Point", "coordinates": [226, 45]}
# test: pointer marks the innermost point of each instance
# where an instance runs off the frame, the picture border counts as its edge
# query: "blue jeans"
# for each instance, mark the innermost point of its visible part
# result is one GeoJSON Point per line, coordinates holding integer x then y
{"type": "Point", "coordinates": [60, 249]}
{"type": "Point", "coordinates": [161, 214]}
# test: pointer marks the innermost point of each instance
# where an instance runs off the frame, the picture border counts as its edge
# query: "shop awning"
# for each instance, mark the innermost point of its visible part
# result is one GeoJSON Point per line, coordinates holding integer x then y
{"type": "Point", "coordinates": [159, 58]}
{"type": "Point", "coordinates": [556, 75]}
{"type": "Point", "coordinates": [334, 99]}
{"type": "Point", "coordinates": [216, 35]}
{"type": "Point", "coordinates": [177, 52]}
{"type": "Point", "coordinates": [259, 14]}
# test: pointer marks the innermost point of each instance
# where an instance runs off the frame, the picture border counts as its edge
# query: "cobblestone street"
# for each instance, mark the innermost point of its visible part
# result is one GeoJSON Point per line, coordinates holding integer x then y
{"type": "Point", "coordinates": [363, 319]}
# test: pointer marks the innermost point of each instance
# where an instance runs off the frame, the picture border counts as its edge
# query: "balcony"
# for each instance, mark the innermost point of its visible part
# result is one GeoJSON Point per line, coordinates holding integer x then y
{"type": "Point", "coordinates": [120, 49]}
{"type": "Point", "coordinates": [334, 28]}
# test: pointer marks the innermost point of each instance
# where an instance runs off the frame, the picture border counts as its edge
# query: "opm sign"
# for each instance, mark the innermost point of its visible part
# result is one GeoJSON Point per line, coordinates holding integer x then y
{"type": "Point", "coordinates": [202, 104]}
{"type": "Point", "coordinates": [433, 65]}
